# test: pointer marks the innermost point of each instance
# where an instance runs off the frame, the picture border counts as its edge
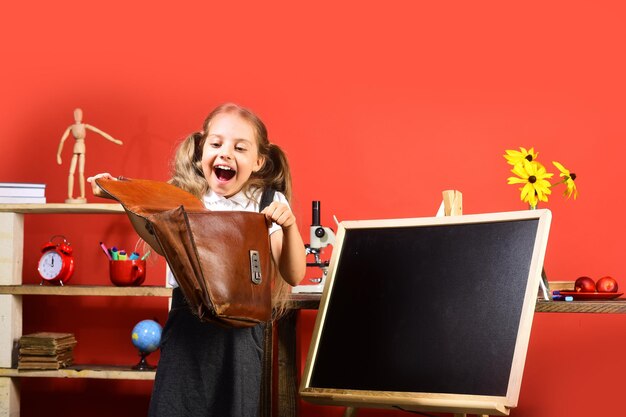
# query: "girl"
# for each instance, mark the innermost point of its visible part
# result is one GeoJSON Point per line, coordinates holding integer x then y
{"type": "Point", "coordinates": [205, 369]}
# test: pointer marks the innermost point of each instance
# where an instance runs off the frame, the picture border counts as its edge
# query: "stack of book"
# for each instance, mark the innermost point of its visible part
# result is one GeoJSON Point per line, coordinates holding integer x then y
{"type": "Point", "coordinates": [22, 193]}
{"type": "Point", "coordinates": [46, 350]}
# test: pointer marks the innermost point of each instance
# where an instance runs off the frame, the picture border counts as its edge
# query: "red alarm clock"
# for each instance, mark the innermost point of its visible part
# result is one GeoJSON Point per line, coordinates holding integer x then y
{"type": "Point", "coordinates": [56, 264]}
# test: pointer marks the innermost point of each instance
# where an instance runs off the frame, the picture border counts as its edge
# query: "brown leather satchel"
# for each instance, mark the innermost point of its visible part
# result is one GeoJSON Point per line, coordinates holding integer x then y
{"type": "Point", "coordinates": [221, 260]}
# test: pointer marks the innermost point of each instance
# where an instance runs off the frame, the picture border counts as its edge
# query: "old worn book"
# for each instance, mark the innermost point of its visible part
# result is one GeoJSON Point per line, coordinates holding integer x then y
{"type": "Point", "coordinates": [38, 351]}
{"type": "Point", "coordinates": [44, 364]}
{"type": "Point", "coordinates": [46, 350]}
{"type": "Point", "coordinates": [48, 340]}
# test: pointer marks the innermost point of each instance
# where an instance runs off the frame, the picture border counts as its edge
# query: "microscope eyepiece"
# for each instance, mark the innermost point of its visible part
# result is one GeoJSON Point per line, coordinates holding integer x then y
{"type": "Point", "coordinates": [316, 214]}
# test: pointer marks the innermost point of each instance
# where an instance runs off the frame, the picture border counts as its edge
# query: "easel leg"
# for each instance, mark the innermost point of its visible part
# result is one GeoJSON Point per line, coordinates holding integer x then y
{"type": "Point", "coordinates": [350, 412]}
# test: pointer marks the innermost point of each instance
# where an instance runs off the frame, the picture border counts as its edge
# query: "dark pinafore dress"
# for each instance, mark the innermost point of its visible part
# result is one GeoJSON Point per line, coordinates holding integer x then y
{"type": "Point", "coordinates": [207, 370]}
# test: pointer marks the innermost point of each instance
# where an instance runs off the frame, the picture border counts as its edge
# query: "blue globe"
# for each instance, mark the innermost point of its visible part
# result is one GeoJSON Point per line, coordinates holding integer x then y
{"type": "Point", "coordinates": [146, 336]}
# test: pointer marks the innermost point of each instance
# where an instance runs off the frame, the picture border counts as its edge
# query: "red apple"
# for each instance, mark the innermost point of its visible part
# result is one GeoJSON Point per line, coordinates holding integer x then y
{"type": "Point", "coordinates": [585, 284]}
{"type": "Point", "coordinates": [606, 284]}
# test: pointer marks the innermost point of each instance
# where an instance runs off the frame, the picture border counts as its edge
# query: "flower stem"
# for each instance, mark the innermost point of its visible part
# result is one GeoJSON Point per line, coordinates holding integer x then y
{"type": "Point", "coordinates": [563, 181]}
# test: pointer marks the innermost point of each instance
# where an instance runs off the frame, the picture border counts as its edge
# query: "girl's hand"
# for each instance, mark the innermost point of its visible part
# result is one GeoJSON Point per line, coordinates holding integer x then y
{"type": "Point", "coordinates": [280, 213]}
{"type": "Point", "coordinates": [287, 246]}
{"type": "Point", "coordinates": [97, 191]}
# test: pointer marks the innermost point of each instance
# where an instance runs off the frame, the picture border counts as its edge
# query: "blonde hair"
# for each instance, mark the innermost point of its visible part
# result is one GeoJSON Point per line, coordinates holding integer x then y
{"type": "Point", "coordinates": [187, 173]}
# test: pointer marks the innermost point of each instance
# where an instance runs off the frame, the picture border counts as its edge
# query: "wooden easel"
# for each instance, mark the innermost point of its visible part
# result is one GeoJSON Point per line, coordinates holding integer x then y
{"type": "Point", "coordinates": [452, 205]}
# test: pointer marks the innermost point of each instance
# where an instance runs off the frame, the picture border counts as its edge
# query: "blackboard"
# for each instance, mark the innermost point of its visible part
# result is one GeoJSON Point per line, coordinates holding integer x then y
{"type": "Point", "coordinates": [428, 306]}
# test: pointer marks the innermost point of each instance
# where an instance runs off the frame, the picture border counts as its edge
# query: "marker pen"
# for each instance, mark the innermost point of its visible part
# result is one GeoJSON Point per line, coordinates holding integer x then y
{"type": "Point", "coordinates": [106, 251]}
{"type": "Point", "coordinates": [133, 256]}
{"type": "Point", "coordinates": [114, 254]}
{"type": "Point", "coordinates": [122, 255]}
{"type": "Point", "coordinates": [557, 296]}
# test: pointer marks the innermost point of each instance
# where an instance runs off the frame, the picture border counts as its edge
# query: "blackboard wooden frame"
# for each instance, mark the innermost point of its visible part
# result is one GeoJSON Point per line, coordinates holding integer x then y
{"type": "Point", "coordinates": [359, 358]}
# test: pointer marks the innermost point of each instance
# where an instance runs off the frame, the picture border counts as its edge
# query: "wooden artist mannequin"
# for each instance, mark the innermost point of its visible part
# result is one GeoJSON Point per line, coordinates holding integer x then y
{"type": "Point", "coordinates": [79, 131]}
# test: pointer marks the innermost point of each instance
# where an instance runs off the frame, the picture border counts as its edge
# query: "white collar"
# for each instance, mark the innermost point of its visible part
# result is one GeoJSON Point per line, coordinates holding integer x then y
{"type": "Point", "coordinates": [239, 199]}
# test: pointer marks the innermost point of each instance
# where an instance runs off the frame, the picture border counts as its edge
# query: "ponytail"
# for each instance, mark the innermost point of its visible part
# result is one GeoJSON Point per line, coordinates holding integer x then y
{"type": "Point", "coordinates": [274, 173]}
{"type": "Point", "coordinates": [187, 165]}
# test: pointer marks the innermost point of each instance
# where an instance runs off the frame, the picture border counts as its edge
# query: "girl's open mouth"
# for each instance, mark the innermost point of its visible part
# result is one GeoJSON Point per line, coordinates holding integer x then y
{"type": "Point", "coordinates": [224, 173]}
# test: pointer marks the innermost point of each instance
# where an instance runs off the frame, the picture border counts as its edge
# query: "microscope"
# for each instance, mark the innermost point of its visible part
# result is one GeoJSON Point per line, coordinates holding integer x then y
{"type": "Point", "coordinates": [320, 237]}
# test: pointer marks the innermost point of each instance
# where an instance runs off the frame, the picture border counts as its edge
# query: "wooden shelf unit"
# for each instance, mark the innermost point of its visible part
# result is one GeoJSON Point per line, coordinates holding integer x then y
{"type": "Point", "coordinates": [12, 292]}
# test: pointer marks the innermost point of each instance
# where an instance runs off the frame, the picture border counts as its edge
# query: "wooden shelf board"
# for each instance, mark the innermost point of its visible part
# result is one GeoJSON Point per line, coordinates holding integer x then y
{"type": "Point", "coordinates": [81, 371]}
{"type": "Point", "coordinates": [61, 208]}
{"type": "Point", "coordinates": [86, 290]}
{"type": "Point", "coordinates": [604, 306]}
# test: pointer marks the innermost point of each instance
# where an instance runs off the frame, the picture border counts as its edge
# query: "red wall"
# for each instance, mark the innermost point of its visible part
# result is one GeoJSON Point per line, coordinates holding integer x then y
{"type": "Point", "coordinates": [379, 108]}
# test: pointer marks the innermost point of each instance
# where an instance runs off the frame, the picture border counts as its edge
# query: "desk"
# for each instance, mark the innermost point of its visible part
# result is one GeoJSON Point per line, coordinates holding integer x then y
{"type": "Point", "coordinates": [280, 342]}
{"type": "Point", "coordinates": [284, 353]}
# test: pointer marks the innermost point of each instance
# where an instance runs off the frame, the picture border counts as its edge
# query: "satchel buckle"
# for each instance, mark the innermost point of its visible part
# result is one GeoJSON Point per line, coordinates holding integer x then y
{"type": "Point", "coordinates": [255, 267]}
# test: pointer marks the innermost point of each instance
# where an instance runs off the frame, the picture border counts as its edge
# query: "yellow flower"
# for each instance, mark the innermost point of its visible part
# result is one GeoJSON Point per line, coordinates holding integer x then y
{"type": "Point", "coordinates": [535, 179]}
{"type": "Point", "coordinates": [534, 176]}
{"type": "Point", "coordinates": [516, 157]}
{"type": "Point", "coordinates": [568, 179]}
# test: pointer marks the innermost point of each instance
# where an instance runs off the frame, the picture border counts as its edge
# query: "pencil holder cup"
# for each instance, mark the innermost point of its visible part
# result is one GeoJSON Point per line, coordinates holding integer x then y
{"type": "Point", "coordinates": [127, 273]}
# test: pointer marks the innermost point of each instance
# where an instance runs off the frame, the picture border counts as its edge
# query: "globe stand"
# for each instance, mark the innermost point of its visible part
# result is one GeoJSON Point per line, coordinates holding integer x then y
{"type": "Point", "coordinates": [143, 364]}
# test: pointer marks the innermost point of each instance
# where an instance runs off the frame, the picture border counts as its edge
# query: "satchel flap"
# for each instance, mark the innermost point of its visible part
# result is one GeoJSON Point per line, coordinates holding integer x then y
{"type": "Point", "coordinates": [143, 198]}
